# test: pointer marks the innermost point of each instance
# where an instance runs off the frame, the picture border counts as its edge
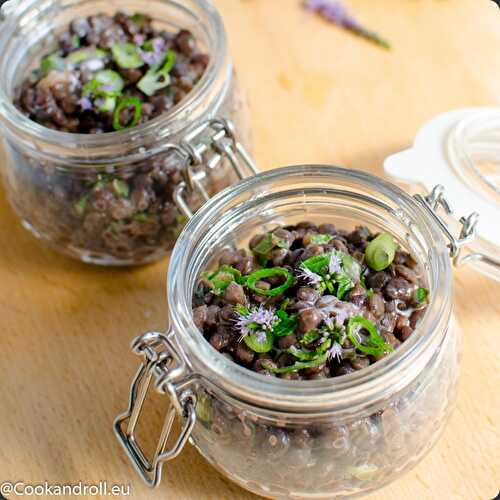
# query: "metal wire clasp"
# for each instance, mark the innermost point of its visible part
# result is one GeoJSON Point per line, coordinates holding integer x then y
{"type": "Point", "coordinates": [203, 150]}
{"type": "Point", "coordinates": [161, 363]}
{"type": "Point", "coordinates": [435, 200]}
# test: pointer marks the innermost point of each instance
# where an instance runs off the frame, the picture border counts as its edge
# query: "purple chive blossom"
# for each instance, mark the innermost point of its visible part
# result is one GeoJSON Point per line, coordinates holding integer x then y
{"type": "Point", "coordinates": [257, 321]}
{"type": "Point", "coordinates": [335, 352]}
{"type": "Point", "coordinates": [334, 264]}
{"type": "Point", "coordinates": [85, 103]}
{"type": "Point", "coordinates": [335, 12]}
{"type": "Point", "coordinates": [107, 88]}
{"type": "Point", "coordinates": [138, 39]}
{"type": "Point", "coordinates": [155, 56]}
{"type": "Point", "coordinates": [310, 277]}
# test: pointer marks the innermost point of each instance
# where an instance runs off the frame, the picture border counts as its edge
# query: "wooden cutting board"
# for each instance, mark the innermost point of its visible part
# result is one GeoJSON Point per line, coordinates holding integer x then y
{"type": "Point", "coordinates": [319, 95]}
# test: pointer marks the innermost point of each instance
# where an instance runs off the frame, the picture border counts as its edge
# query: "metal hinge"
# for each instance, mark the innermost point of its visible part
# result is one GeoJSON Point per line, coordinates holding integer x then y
{"type": "Point", "coordinates": [162, 364]}
{"type": "Point", "coordinates": [202, 151]}
{"type": "Point", "coordinates": [436, 200]}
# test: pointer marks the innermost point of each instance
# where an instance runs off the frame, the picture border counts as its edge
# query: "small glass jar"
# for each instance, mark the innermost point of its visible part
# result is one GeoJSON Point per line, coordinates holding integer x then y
{"type": "Point", "coordinates": [302, 439]}
{"type": "Point", "coordinates": [54, 179]}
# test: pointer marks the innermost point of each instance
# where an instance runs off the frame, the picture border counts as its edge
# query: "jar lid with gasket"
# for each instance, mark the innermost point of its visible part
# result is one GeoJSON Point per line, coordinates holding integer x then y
{"type": "Point", "coordinates": [459, 152]}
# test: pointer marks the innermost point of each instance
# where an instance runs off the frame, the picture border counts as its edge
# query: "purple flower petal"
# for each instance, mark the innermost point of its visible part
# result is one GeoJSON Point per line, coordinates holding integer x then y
{"type": "Point", "coordinates": [334, 264]}
{"type": "Point", "coordinates": [138, 39]}
{"type": "Point", "coordinates": [85, 103]}
{"type": "Point", "coordinates": [335, 352]}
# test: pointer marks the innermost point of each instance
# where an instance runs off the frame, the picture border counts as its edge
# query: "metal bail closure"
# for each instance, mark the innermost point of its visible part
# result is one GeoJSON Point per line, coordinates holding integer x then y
{"type": "Point", "coordinates": [203, 150]}
{"type": "Point", "coordinates": [435, 200]}
{"type": "Point", "coordinates": [162, 362]}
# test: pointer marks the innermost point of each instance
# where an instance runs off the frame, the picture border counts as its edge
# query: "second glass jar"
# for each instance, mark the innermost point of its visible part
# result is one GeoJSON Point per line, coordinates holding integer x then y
{"type": "Point", "coordinates": [109, 198]}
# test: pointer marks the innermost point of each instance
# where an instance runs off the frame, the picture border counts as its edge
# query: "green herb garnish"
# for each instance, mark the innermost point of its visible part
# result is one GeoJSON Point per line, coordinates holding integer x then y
{"type": "Point", "coordinates": [301, 365]}
{"type": "Point", "coordinates": [267, 273]}
{"type": "Point", "coordinates": [260, 341]}
{"type": "Point", "coordinates": [121, 188]}
{"type": "Point", "coordinates": [321, 239]}
{"type": "Point", "coordinates": [124, 103]}
{"type": "Point", "coordinates": [380, 252]}
{"type": "Point", "coordinates": [156, 79]}
{"type": "Point", "coordinates": [286, 325]}
{"type": "Point", "coordinates": [126, 55]}
{"type": "Point", "coordinates": [421, 295]}
{"type": "Point", "coordinates": [52, 62]}
{"type": "Point", "coordinates": [81, 55]}
{"type": "Point", "coordinates": [374, 344]}
{"type": "Point", "coordinates": [309, 337]}
{"type": "Point", "coordinates": [221, 279]}
{"type": "Point", "coordinates": [106, 83]}
{"type": "Point", "coordinates": [308, 355]}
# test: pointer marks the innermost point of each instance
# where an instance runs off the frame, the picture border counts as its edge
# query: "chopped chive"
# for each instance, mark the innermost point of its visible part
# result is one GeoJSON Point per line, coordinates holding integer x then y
{"type": "Point", "coordinates": [374, 344]}
{"type": "Point", "coordinates": [222, 278]}
{"type": "Point", "coordinates": [380, 252]}
{"type": "Point", "coordinates": [126, 55]}
{"type": "Point", "coordinates": [121, 188]}
{"type": "Point", "coordinates": [301, 365]}
{"type": "Point", "coordinates": [81, 205]}
{"type": "Point", "coordinates": [421, 295]}
{"type": "Point", "coordinates": [321, 239]}
{"type": "Point", "coordinates": [52, 62]}
{"type": "Point", "coordinates": [260, 341]}
{"type": "Point", "coordinates": [81, 55]}
{"type": "Point", "coordinates": [267, 273]}
{"type": "Point", "coordinates": [124, 104]}
{"type": "Point", "coordinates": [155, 79]}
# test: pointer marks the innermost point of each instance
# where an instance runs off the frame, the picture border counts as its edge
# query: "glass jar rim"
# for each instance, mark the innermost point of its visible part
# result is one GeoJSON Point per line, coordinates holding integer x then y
{"type": "Point", "coordinates": [95, 145]}
{"type": "Point", "coordinates": [347, 393]}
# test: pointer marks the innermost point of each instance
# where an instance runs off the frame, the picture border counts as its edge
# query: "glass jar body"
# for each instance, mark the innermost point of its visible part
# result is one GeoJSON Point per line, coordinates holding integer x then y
{"type": "Point", "coordinates": [326, 456]}
{"type": "Point", "coordinates": [329, 437]}
{"type": "Point", "coordinates": [109, 199]}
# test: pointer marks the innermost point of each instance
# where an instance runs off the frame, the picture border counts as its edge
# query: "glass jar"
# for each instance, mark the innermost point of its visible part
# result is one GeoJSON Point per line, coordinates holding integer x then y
{"type": "Point", "coordinates": [54, 179]}
{"type": "Point", "coordinates": [302, 439]}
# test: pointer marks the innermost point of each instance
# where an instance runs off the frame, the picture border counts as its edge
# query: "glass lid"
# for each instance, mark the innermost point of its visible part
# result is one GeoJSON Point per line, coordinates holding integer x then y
{"type": "Point", "coordinates": [460, 151]}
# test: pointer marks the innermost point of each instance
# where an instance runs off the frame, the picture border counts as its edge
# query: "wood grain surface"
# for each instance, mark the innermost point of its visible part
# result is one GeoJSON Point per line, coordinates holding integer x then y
{"type": "Point", "coordinates": [320, 95]}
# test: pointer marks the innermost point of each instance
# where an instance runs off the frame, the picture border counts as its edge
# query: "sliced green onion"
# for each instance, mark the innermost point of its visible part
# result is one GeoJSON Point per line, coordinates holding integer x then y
{"type": "Point", "coordinates": [380, 252]}
{"type": "Point", "coordinates": [123, 104]}
{"type": "Point", "coordinates": [344, 283]}
{"type": "Point", "coordinates": [81, 205]}
{"type": "Point", "coordinates": [126, 55]}
{"type": "Point", "coordinates": [81, 55]}
{"type": "Point", "coordinates": [252, 341]}
{"type": "Point", "coordinates": [351, 266]}
{"type": "Point", "coordinates": [306, 354]}
{"type": "Point", "coordinates": [155, 79]}
{"type": "Point", "coordinates": [52, 62]}
{"type": "Point", "coordinates": [267, 273]}
{"type": "Point", "coordinates": [109, 81]}
{"type": "Point", "coordinates": [309, 337]}
{"type": "Point", "coordinates": [121, 188]}
{"type": "Point", "coordinates": [374, 344]}
{"type": "Point", "coordinates": [105, 104]}
{"type": "Point", "coordinates": [222, 278]}
{"type": "Point", "coordinates": [421, 295]}
{"type": "Point", "coordinates": [321, 239]}
{"type": "Point", "coordinates": [301, 365]}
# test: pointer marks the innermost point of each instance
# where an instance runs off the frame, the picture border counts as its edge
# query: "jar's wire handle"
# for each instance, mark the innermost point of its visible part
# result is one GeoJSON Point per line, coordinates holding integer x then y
{"type": "Point", "coordinates": [436, 200]}
{"type": "Point", "coordinates": [457, 244]}
{"type": "Point", "coordinates": [203, 150]}
{"type": "Point", "coordinates": [162, 363]}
